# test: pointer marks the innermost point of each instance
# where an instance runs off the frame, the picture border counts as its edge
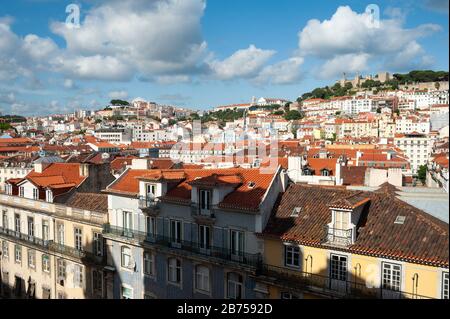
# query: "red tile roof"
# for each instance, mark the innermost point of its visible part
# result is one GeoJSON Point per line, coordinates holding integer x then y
{"type": "Point", "coordinates": [421, 239]}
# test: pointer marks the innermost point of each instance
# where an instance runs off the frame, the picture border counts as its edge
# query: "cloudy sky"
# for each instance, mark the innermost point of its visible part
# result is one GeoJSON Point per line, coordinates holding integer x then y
{"type": "Point", "coordinates": [204, 53]}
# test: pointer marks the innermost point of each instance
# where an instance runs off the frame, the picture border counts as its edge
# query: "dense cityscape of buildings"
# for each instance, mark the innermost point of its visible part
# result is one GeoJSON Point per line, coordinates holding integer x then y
{"type": "Point", "coordinates": [349, 199]}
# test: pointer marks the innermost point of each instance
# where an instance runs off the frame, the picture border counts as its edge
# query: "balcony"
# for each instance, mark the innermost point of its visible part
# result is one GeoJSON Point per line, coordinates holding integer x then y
{"type": "Point", "coordinates": [328, 287]}
{"type": "Point", "coordinates": [24, 238]}
{"type": "Point", "coordinates": [74, 253]}
{"type": "Point", "coordinates": [225, 254]}
{"type": "Point", "coordinates": [203, 215]}
{"type": "Point", "coordinates": [339, 237]}
{"type": "Point", "coordinates": [149, 204]}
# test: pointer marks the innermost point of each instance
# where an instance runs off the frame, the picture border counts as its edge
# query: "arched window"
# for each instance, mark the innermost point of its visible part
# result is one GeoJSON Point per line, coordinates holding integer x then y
{"type": "Point", "coordinates": [202, 278]}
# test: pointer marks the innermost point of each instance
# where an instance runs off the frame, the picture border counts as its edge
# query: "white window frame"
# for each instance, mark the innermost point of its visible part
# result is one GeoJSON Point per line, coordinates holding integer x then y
{"type": "Point", "coordinates": [30, 223]}
{"type": "Point", "coordinates": [176, 232]}
{"type": "Point", "coordinates": [204, 237]}
{"type": "Point", "coordinates": [46, 263]}
{"type": "Point", "coordinates": [237, 242]}
{"type": "Point", "coordinates": [78, 279]}
{"type": "Point", "coordinates": [31, 258]}
{"type": "Point", "coordinates": [292, 250]}
{"type": "Point", "coordinates": [445, 285]}
{"type": "Point", "coordinates": [45, 230]}
{"type": "Point", "coordinates": [128, 288]}
{"type": "Point", "coordinates": [60, 233]}
{"type": "Point", "coordinates": [337, 270]}
{"type": "Point", "coordinates": [174, 271]}
{"type": "Point", "coordinates": [387, 276]}
{"type": "Point", "coordinates": [78, 238]}
{"type": "Point", "coordinates": [17, 222]}
{"type": "Point", "coordinates": [234, 285]}
{"type": "Point", "coordinates": [148, 260]}
{"type": "Point", "coordinates": [18, 254]}
{"type": "Point", "coordinates": [61, 269]}
{"type": "Point", "coordinates": [125, 257]}
{"type": "Point", "coordinates": [150, 226]}
{"type": "Point", "coordinates": [21, 191]}
{"type": "Point", "coordinates": [202, 279]}
{"type": "Point", "coordinates": [205, 200]}
{"type": "Point", "coordinates": [35, 193]}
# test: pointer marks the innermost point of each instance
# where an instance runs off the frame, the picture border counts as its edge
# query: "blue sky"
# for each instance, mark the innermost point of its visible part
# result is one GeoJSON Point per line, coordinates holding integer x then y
{"type": "Point", "coordinates": [204, 53]}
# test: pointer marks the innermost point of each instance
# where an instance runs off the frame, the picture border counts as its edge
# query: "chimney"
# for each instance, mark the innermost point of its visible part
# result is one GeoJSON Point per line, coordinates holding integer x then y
{"type": "Point", "coordinates": [40, 167]}
{"type": "Point", "coordinates": [141, 163]}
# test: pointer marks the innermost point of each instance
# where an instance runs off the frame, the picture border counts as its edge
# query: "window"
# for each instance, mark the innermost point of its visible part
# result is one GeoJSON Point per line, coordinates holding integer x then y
{"type": "Point", "coordinates": [202, 279]}
{"type": "Point", "coordinates": [151, 190]}
{"type": "Point", "coordinates": [45, 230]}
{"type": "Point", "coordinates": [31, 227]}
{"type": "Point", "coordinates": [149, 264]}
{"type": "Point", "coordinates": [46, 293]}
{"type": "Point", "coordinates": [150, 224]}
{"type": "Point", "coordinates": [175, 231]}
{"type": "Point", "coordinates": [17, 223]}
{"type": "Point", "coordinates": [236, 242]}
{"type": "Point", "coordinates": [21, 191]}
{"type": "Point", "coordinates": [205, 200]}
{"type": "Point", "coordinates": [31, 259]}
{"type": "Point", "coordinates": [78, 276]}
{"type": "Point", "coordinates": [127, 293]}
{"type": "Point", "coordinates": [46, 263]}
{"type": "Point", "coordinates": [288, 295]}
{"type": "Point", "coordinates": [60, 233]}
{"type": "Point", "coordinates": [234, 286]}
{"type": "Point", "coordinates": [49, 196]}
{"type": "Point", "coordinates": [35, 193]}
{"type": "Point", "coordinates": [61, 269]}
{"type": "Point", "coordinates": [18, 254]}
{"type": "Point", "coordinates": [391, 276]}
{"type": "Point", "coordinates": [338, 267]}
{"type": "Point", "coordinates": [78, 238]}
{"type": "Point", "coordinates": [445, 285]}
{"type": "Point", "coordinates": [127, 220]}
{"type": "Point", "coordinates": [341, 220]}
{"type": "Point", "coordinates": [5, 249]}
{"type": "Point", "coordinates": [97, 282]}
{"type": "Point", "coordinates": [5, 220]}
{"type": "Point", "coordinates": [174, 270]}
{"type": "Point", "coordinates": [98, 244]}
{"type": "Point", "coordinates": [204, 237]}
{"type": "Point", "coordinates": [292, 256]}
{"type": "Point", "coordinates": [126, 257]}
{"type": "Point", "coordinates": [325, 172]}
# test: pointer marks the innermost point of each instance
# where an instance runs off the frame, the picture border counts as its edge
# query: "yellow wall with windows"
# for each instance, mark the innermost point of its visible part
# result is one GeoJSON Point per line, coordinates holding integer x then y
{"type": "Point", "coordinates": [366, 271]}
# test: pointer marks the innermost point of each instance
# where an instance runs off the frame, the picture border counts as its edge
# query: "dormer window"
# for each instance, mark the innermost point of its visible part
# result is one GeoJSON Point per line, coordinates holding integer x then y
{"type": "Point", "coordinates": [150, 190]}
{"type": "Point", "coordinates": [21, 191]}
{"type": "Point", "coordinates": [49, 196]}
{"type": "Point", "coordinates": [205, 201]}
{"type": "Point", "coordinates": [35, 193]}
{"type": "Point", "coordinates": [325, 172]}
{"type": "Point", "coordinates": [296, 212]}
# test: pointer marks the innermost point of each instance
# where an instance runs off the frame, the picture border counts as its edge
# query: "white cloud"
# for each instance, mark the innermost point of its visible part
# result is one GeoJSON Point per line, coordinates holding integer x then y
{"type": "Point", "coordinates": [350, 39]}
{"type": "Point", "coordinates": [347, 63]}
{"type": "Point", "coordinates": [118, 95]}
{"type": "Point", "coordinates": [69, 84]}
{"type": "Point", "coordinates": [284, 72]}
{"type": "Point", "coordinates": [151, 38]}
{"type": "Point", "coordinates": [246, 63]}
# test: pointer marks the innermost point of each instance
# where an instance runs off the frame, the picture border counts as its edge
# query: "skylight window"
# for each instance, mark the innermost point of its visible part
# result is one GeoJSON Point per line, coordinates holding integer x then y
{"type": "Point", "coordinates": [251, 185]}
{"type": "Point", "coordinates": [296, 212]}
{"type": "Point", "coordinates": [400, 220]}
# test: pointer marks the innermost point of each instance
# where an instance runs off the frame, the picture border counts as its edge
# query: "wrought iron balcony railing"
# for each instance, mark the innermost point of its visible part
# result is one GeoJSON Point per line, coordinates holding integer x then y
{"type": "Point", "coordinates": [328, 286]}
{"type": "Point", "coordinates": [148, 203]}
{"type": "Point", "coordinates": [338, 236]}
{"type": "Point", "coordinates": [222, 253]}
{"type": "Point", "coordinates": [75, 253]}
{"type": "Point", "coordinates": [24, 238]}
